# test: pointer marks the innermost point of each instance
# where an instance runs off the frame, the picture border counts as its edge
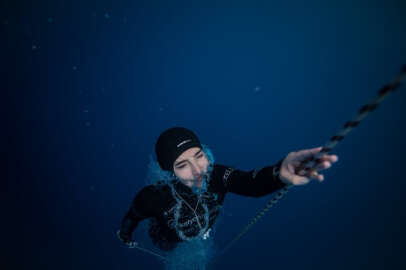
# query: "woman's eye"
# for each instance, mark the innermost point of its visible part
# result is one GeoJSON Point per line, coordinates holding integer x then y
{"type": "Point", "coordinates": [180, 167]}
{"type": "Point", "coordinates": [200, 156]}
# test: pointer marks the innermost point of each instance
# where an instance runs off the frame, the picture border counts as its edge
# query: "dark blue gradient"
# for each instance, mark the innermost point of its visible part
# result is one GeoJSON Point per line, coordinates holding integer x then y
{"type": "Point", "coordinates": [89, 86]}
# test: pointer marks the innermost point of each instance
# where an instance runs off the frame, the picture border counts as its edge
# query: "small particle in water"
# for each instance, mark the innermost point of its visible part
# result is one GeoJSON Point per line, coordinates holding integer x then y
{"type": "Point", "coordinates": [85, 111]}
{"type": "Point", "coordinates": [106, 15]}
{"type": "Point", "coordinates": [34, 47]}
{"type": "Point", "coordinates": [113, 145]}
{"type": "Point", "coordinates": [50, 20]}
{"type": "Point", "coordinates": [91, 188]}
{"type": "Point", "coordinates": [74, 68]}
{"type": "Point", "coordinates": [125, 19]}
{"type": "Point", "coordinates": [257, 89]}
{"type": "Point", "coordinates": [161, 109]}
{"type": "Point", "coordinates": [87, 124]}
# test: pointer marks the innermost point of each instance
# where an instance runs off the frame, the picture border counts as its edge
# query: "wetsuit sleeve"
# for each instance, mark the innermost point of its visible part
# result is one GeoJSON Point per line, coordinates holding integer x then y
{"type": "Point", "coordinates": [254, 183]}
{"type": "Point", "coordinates": [141, 208]}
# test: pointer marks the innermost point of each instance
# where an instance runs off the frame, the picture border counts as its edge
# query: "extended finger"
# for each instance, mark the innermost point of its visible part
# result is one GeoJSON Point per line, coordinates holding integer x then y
{"type": "Point", "coordinates": [315, 175]}
{"type": "Point", "coordinates": [330, 158]}
{"type": "Point", "coordinates": [326, 161]}
{"type": "Point", "coordinates": [323, 165]}
{"type": "Point", "coordinates": [310, 170]}
{"type": "Point", "coordinates": [304, 154]}
{"type": "Point", "coordinates": [318, 177]}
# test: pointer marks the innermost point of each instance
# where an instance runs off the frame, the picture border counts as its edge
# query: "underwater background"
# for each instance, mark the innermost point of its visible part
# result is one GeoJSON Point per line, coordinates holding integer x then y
{"type": "Point", "coordinates": [90, 85]}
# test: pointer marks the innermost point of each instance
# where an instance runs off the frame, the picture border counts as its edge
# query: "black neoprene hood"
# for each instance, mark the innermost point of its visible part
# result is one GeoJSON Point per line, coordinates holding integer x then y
{"type": "Point", "coordinates": [172, 143]}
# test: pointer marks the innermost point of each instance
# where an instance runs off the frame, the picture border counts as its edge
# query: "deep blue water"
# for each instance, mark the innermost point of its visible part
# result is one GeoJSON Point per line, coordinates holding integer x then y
{"type": "Point", "coordinates": [91, 84]}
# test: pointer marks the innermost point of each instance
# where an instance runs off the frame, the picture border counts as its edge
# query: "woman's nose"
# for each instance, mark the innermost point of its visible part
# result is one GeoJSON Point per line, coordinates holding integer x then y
{"type": "Point", "coordinates": [196, 169]}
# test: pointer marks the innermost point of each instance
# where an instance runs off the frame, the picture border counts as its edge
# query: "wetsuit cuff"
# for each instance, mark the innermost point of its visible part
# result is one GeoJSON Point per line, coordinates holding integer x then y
{"type": "Point", "coordinates": [276, 172]}
{"type": "Point", "coordinates": [124, 237]}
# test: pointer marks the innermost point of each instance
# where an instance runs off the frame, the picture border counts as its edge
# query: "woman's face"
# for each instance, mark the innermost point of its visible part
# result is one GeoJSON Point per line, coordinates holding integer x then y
{"type": "Point", "coordinates": [190, 167]}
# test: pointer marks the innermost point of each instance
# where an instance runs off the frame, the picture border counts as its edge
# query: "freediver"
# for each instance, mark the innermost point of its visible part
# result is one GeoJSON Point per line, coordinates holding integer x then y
{"type": "Point", "coordinates": [186, 206]}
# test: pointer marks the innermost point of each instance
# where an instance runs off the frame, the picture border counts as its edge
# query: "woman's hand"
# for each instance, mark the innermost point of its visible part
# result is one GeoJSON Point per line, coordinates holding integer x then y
{"type": "Point", "coordinates": [294, 160]}
{"type": "Point", "coordinates": [127, 242]}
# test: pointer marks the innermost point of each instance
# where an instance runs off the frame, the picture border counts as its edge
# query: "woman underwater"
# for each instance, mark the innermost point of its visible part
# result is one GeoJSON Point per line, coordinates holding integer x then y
{"type": "Point", "coordinates": [185, 206]}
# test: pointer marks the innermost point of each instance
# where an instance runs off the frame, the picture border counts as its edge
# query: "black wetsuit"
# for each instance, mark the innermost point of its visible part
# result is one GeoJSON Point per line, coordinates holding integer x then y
{"type": "Point", "coordinates": [172, 222]}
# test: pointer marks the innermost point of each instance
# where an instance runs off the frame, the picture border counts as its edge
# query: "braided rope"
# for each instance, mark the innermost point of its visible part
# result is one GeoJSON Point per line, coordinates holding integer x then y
{"type": "Point", "coordinates": [311, 162]}
{"type": "Point", "coordinates": [257, 217]}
